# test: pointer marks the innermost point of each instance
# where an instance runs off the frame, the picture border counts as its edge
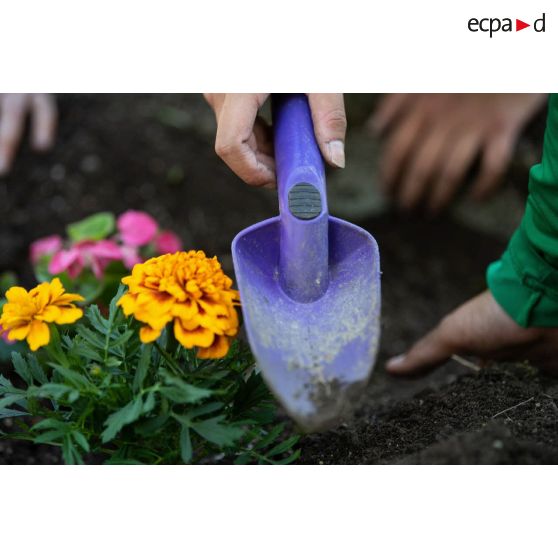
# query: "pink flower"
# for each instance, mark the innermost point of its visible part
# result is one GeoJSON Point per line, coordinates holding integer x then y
{"type": "Point", "coordinates": [44, 247]}
{"type": "Point", "coordinates": [167, 243]}
{"type": "Point", "coordinates": [130, 256]}
{"type": "Point", "coordinates": [136, 228]}
{"type": "Point", "coordinates": [85, 254]}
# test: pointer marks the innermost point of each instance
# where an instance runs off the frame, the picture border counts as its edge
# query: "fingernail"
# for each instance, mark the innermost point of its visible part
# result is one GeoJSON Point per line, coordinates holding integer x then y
{"type": "Point", "coordinates": [41, 144]}
{"type": "Point", "coordinates": [394, 362]}
{"type": "Point", "coordinates": [337, 153]}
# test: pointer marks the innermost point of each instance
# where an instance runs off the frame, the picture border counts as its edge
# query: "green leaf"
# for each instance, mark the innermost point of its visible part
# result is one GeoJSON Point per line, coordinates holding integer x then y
{"type": "Point", "coordinates": [186, 451]}
{"type": "Point", "coordinates": [20, 366]}
{"type": "Point", "coordinates": [54, 391]}
{"type": "Point", "coordinates": [87, 352]}
{"type": "Point", "coordinates": [5, 382]}
{"type": "Point", "coordinates": [91, 337]}
{"type": "Point", "coordinates": [8, 400]}
{"type": "Point", "coordinates": [182, 392]}
{"type": "Point", "coordinates": [143, 367]}
{"type": "Point", "coordinates": [95, 227]}
{"type": "Point", "coordinates": [8, 413]}
{"type": "Point", "coordinates": [289, 459]}
{"type": "Point", "coordinates": [242, 459]}
{"type": "Point", "coordinates": [118, 420]}
{"type": "Point", "coordinates": [214, 431]}
{"type": "Point", "coordinates": [283, 446]}
{"type": "Point", "coordinates": [270, 437]}
{"type": "Point", "coordinates": [205, 409]}
{"type": "Point", "coordinates": [121, 339]}
{"type": "Point", "coordinates": [51, 423]}
{"type": "Point", "coordinates": [151, 425]}
{"type": "Point", "coordinates": [48, 437]}
{"type": "Point", "coordinates": [113, 308]}
{"type": "Point", "coordinates": [149, 403]}
{"type": "Point", "coordinates": [75, 379]}
{"type": "Point", "coordinates": [69, 452]}
{"type": "Point", "coordinates": [81, 440]}
{"type": "Point", "coordinates": [36, 369]}
{"type": "Point", "coordinates": [93, 314]}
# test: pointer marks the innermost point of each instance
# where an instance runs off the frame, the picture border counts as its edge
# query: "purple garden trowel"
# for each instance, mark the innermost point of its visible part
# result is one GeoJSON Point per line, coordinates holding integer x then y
{"type": "Point", "coordinates": [309, 284]}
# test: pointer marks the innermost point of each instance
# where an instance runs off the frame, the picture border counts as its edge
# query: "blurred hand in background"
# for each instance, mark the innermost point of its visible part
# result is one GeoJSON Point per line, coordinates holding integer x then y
{"type": "Point", "coordinates": [14, 109]}
{"type": "Point", "coordinates": [433, 140]}
{"type": "Point", "coordinates": [244, 139]}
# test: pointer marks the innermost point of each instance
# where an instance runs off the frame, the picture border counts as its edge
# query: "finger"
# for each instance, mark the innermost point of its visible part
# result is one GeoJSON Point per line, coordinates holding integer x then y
{"type": "Point", "coordinates": [215, 101]}
{"type": "Point", "coordinates": [264, 136]}
{"type": "Point", "coordinates": [330, 126]}
{"type": "Point", "coordinates": [390, 108]}
{"type": "Point", "coordinates": [460, 158]}
{"type": "Point", "coordinates": [398, 147]}
{"type": "Point", "coordinates": [426, 160]}
{"type": "Point", "coordinates": [236, 143]}
{"type": "Point", "coordinates": [431, 351]}
{"type": "Point", "coordinates": [495, 159]}
{"type": "Point", "coordinates": [43, 121]}
{"type": "Point", "coordinates": [12, 122]}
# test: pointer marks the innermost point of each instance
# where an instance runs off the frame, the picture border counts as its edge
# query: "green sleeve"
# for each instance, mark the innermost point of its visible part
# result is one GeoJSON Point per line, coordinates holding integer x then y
{"type": "Point", "coordinates": [525, 279]}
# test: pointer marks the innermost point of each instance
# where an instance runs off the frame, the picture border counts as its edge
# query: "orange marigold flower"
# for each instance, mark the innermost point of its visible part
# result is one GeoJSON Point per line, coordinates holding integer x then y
{"type": "Point", "coordinates": [191, 291]}
{"type": "Point", "coordinates": [26, 314]}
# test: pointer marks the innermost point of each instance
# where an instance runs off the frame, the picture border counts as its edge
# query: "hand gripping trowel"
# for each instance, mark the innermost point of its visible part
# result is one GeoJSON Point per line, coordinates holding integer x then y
{"type": "Point", "coordinates": [309, 284]}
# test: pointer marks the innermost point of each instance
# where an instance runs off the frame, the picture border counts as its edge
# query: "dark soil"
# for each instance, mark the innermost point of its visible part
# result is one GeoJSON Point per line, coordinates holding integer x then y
{"type": "Point", "coordinates": [155, 152]}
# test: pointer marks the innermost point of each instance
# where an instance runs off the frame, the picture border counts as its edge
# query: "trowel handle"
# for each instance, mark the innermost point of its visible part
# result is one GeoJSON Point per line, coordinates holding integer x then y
{"type": "Point", "coordinates": [303, 264]}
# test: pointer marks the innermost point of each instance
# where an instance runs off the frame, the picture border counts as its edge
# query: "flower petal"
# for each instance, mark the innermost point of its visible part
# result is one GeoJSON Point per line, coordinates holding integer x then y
{"type": "Point", "coordinates": [198, 337]}
{"type": "Point", "coordinates": [19, 333]}
{"type": "Point", "coordinates": [44, 247]}
{"type": "Point", "coordinates": [218, 349]}
{"type": "Point", "coordinates": [167, 243]}
{"type": "Point", "coordinates": [137, 228]}
{"type": "Point", "coordinates": [69, 315]}
{"type": "Point", "coordinates": [49, 314]}
{"type": "Point", "coordinates": [148, 334]}
{"type": "Point", "coordinates": [39, 335]}
{"type": "Point", "coordinates": [17, 295]}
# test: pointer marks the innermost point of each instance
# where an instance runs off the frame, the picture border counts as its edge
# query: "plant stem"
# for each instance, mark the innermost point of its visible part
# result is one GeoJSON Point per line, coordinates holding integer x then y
{"type": "Point", "coordinates": [168, 359]}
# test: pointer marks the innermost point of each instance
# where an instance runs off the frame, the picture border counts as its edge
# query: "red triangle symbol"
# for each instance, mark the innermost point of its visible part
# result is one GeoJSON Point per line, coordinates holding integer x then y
{"type": "Point", "coordinates": [519, 25]}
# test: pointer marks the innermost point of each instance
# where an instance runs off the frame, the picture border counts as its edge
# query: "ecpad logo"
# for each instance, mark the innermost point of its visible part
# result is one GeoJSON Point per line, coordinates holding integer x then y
{"type": "Point", "coordinates": [494, 24]}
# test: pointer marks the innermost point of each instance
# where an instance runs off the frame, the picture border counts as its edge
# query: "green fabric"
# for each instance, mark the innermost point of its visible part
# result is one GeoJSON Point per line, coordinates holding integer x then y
{"type": "Point", "coordinates": [525, 280]}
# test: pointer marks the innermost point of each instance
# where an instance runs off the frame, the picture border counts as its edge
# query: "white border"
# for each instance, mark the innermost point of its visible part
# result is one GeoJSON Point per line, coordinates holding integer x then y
{"type": "Point", "coordinates": [281, 512]}
{"type": "Point", "coordinates": [248, 45]}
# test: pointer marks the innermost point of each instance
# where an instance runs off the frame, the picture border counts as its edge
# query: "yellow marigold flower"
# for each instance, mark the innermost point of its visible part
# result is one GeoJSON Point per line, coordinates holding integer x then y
{"type": "Point", "coordinates": [26, 314]}
{"type": "Point", "coordinates": [191, 291]}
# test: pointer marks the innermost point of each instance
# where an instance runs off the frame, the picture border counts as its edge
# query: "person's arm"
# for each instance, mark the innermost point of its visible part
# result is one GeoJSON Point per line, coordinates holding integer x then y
{"type": "Point", "coordinates": [525, 280]}
{"type": "Point", "coordinates": [518, 317]}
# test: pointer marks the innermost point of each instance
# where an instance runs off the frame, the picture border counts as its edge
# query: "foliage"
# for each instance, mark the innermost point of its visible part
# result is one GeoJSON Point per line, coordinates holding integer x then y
{"type": "Point", "coordinates": [99, 250]}
{"type": "Point", "coordinates": [96, 390]}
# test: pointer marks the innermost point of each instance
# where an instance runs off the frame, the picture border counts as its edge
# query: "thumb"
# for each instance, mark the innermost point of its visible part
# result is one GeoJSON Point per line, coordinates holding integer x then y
{"type": "Point", "coordinates": [330, 125]}
{"type": "Point", "coordinates": [431, 351]}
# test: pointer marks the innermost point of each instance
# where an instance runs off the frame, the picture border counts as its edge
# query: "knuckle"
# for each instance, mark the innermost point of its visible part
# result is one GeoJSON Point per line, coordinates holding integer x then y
{"type": "Point", "coordinates": [225, 149]}
{"type": "Point", "coordinates": [336, 119]}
